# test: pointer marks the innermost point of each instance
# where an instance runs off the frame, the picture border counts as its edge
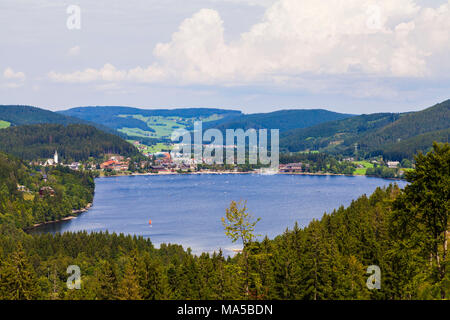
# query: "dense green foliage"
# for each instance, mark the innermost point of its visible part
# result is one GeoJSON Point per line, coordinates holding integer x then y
{"type": "Point", "coordinates": [409, 125]}
{"type": "Point", "coordinates": [421, 222]}
{"type": "Point", "coordinates": [320, 162]}
{"type": "Point", "coordinates": [23, 208]}
{"type": "Point", "coordinates": [383, 172]}
{"type": "Point", "coordinates": [329, 135]}
{"type": "Point", "coordinates": [74, 142]}
{"type": "Point", "coordinates": [22, 115]}
{"type": "Point", "coordinates": [405, 149]}
{"type": "Point", "coordinates": [393, 136]}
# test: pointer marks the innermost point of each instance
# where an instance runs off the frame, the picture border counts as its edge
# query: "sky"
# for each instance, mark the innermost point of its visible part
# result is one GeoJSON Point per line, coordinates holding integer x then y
{"type": "Point", "coordinates": [352, 56]}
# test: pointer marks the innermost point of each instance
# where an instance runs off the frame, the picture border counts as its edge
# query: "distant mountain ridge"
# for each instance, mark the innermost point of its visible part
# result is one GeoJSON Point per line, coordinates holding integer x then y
{"type": "Point", "coordinates": [74, 142]}
{"type": "Point", "coordinates": [283, 120]}
{"type": "Point", "coordinates": [110, 115]}
{"type": "Point", "coordinates": [145, 123]}
{"type": "Point", "coordinates": [392, 135]}
{"type": "Point", "coordinates": [18, 115]}
{"type": "Point", "coordinates": [149, 125]}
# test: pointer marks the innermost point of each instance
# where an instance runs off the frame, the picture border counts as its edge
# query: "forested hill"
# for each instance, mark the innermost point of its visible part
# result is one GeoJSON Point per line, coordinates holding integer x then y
{"type": "Point", "coordinates": [327, 136]}
{"type": "Point", "coordinates": [95, 113]}
{"type": "Point", "coordinates": [283, 120]}
{"type": "Point", "coordinates": [71, 190]}
{"type": "Point", "coordinates": [157, 124]}
{"type": "Point", "coordinates": [74, 142]}
{"type": "Point", "coordinates": [18, 115]}
{"type": "Point", "coordinates": [394, 136]}
{"type": "Point", "coordinates": [127, 117]}
{"type": "Point", "coordinates": [149, 125]}
{"type": "Point", "coordinates": [410, 125]}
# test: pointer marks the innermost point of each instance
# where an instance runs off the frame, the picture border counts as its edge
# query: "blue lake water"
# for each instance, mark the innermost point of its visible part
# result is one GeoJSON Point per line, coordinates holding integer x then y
{"type": "Point", "coordinates": [187, 209]}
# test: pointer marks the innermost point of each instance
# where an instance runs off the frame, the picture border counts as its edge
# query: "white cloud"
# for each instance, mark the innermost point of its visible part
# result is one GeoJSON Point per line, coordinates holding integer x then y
{"type": "Point", "coordinates": [107, 73]}
{"type": "Point", "coordinates": [10, 74]}
{"type": "Point", "coordinates": [12, 79]}
{"type": "Point", "coordinates": [297, 39]}
{"type": "Point", "coordinates": [74, 51]}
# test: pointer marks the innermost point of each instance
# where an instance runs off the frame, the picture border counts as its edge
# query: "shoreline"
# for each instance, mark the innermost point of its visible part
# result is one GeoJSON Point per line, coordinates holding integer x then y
{"type": "Point", "coordinates": [73, 215]}
{"type": "Point", "coordinates": [250, 172]}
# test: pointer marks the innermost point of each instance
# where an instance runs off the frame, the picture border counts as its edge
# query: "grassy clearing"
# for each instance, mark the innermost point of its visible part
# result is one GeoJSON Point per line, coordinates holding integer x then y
{"type": "Point", "coordinates": [159, 147]}
{"type": "Point", "coordinates": [360, 171]}
{"type": "Point", "coordinates": [365, 164]}
{"type": "Point", "coordinates": [4, 124]}
{"type": "Point", "coordinates": [137, 132]}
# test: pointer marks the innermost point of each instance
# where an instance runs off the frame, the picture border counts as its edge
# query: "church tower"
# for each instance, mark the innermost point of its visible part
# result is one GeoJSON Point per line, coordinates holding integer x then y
{"type": "Point", "coordinates": [55, 157]}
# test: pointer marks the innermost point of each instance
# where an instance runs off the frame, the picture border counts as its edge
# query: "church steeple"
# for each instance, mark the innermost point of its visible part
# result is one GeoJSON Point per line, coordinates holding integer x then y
{"type": "Point", "coordinates": [55, 157]}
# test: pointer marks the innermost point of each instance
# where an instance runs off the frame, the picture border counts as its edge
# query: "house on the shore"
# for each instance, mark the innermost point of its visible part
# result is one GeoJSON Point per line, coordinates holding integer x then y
{"type": "Point", "coordinates": [158, 168]}
{"type": "Point", "coordinates": [393, 164]}
{"type": "Point", "coordinates": [114, 165]}
{"type": "Point", "coordinates": [294, 167]}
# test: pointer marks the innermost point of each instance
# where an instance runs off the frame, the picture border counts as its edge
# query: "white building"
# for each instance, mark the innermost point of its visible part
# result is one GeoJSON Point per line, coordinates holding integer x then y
{"type": "Point", "coordinates": [52, 162]}
{"type": "Point", "coordinates": [393, 164]}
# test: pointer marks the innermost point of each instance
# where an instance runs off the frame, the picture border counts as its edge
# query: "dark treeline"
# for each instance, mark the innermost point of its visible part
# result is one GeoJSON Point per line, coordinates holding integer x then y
{"type": "Point", "coordinates": [406, 149]}
{"type": "Point", "coordinates": [393, 136]}
{"type": "Point", "coordinates": [283, 120]}
{"type": "Point", "coordinates": [397, 230]}
{"type": "Point", "coordinates": [22, 115]}
{"type": "Point", "coordinates": [345, 132]}
{"type": "Point", "coordinates": [74, 142]}
{"type": "Point", "coordinates": [29, 197]}
{"type": "Point", "coordinates": [19, 115]}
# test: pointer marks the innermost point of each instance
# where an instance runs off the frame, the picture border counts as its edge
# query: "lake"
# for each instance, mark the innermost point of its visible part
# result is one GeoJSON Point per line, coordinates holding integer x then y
{"type": "Point", "coordinates": [187, 209]}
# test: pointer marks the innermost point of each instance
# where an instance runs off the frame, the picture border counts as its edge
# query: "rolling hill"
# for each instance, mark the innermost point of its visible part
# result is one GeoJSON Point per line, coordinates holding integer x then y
{"type": "Point", "coordinates": [17, 115]}
{"type": "Point", "coordinates": [151, 127]}
{"type": "Point", "coordinates": [146, 124]}
{"type": "Point", "coordinates": [283, 120]}
{"type": "Point", "coordinates": [394, 136]}
{"type": "Point", "coordinates": [74, 142]}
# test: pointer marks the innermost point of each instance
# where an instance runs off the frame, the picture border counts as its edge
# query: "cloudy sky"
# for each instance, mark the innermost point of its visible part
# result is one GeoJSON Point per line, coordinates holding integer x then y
{"type": "Point", "coordinates": [356, 56]}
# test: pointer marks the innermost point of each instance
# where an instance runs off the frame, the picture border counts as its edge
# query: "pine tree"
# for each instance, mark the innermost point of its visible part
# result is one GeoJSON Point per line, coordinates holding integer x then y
{"type": "Point", "coordinates": [422, 211]}
{"type": "Point", "coordinates": [17, 278]}
{"type": "Point", "coordinates": [129, 288]}
{"type": "Point", "coordinates": [106, 281]}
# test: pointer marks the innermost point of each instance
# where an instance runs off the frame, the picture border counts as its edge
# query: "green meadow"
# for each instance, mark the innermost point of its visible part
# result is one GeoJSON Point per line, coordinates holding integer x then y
{"type": "Point", "coordinates": [4, 124]}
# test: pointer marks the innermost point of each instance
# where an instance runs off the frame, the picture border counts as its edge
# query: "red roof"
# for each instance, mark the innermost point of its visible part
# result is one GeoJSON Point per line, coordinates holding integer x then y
{"type": "Point", "coordinates": [109, 162]}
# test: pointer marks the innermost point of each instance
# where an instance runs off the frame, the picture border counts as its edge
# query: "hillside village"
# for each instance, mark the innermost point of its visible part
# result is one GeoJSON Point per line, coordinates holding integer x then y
{"type": "Point", "coordinates": [163, 163]}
